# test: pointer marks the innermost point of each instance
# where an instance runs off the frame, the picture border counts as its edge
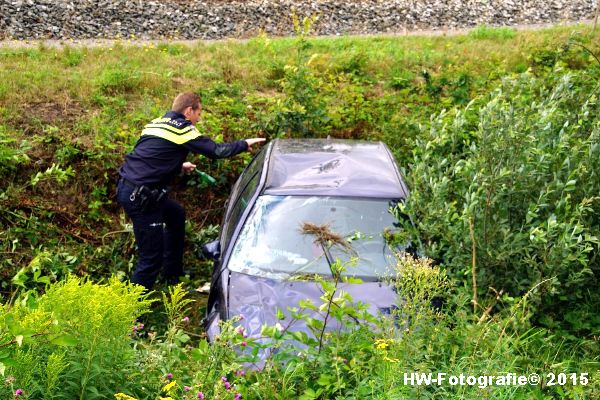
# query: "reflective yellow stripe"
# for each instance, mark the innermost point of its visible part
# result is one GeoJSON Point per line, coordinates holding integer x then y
{"type": "Point", "coordinates": [171, 128]}
{"type": "Point", "coordinates": [166, 132]}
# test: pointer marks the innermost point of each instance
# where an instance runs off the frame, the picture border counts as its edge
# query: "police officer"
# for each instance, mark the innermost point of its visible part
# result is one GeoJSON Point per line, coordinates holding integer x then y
{"type": "Point", "coordinates": [159, 155]}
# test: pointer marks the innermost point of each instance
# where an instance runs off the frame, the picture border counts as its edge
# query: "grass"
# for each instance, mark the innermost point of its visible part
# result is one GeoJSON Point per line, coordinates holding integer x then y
{"type": "Point", "coordinates": [96, 99]}
{"type": "Point", "coordinates": [480, 49]}
{"type": "Point", "coordinates": [483, 32]}
{"type": "Point", "coordinates": [84, 106]}
{"type": "Point", "coordinates": [78, 78]}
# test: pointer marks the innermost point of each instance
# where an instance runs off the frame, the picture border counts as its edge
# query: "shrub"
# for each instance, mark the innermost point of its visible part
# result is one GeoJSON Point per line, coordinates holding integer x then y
{"type": "Point", "coordinates": [94, 320]}
{"type": "Point", "coordinates": [302, 111]}
{"type": "Point", "coordinates": [507, 194]}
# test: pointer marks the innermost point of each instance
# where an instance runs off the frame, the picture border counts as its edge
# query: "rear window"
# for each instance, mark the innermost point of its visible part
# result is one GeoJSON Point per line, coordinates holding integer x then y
{"type": "Point", "coordinates": [274, 244]}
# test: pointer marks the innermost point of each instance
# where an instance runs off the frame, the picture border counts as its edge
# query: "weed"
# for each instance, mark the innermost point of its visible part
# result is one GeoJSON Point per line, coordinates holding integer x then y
{"type": "Point", "coordinates": [94, 319]}
{"type": "Point", "coordinates": [112, 81]}
{"type": "Point", "coordinates": [72, 57]}
{"type": "Point", "coordinates": [10, 157]}
{"type": "Point", "coordinates": [497, 33]}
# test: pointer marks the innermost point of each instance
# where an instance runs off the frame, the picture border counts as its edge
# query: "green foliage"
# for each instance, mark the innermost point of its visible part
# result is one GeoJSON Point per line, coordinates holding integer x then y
{"type": "Point", "coordinates": [508, 192]}
{"type": "Point", "coordinates": [72, 57]}
{"type": "Point", "coordinates": [509, 178]}
{"type": "Point", "coordinates": [36, 267]}
{"type": "Point", "coordinates": [10, 157]}
{"type": "Point", "coordinates": [544, 58]}
{"type": "Point", "coordinates": [67, 153]}
{"type": "Point", "coordinates": [353, 63]}
{"type": "Point", "coordinates": [302, 111]}
{"type": "Point", "coordinates": [369, 356]}
{"type": "Point", "coordinates": [113, 81]}
{"type": "Point", "coordinates": [94, 320]}
{"type": "Point", "coordinates": [176, 304]}
{"type": "Point", "coordinates": [99, 199]}
{"type": "Point", "coordinates": [488, 32]}
{"type": "Point", "coordinates": [53, 173]}
{"type": "Point", "coordinates": [574, 54]}
{"type": "Point", "coordinates": [402, 80]}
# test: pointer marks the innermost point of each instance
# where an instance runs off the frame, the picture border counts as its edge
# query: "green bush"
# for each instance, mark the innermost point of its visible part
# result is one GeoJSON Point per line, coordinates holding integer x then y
{"type": "Point", "coordinates": [301, 112]}
{"type": "Point", "coordinates": [94, 321]}
{"type": "Point", "coordinates": [507, 194]}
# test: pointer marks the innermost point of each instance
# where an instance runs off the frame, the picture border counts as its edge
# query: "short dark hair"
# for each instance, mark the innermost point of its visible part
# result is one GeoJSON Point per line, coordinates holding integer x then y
{"type": "Point", "coordinates": [185, 100]}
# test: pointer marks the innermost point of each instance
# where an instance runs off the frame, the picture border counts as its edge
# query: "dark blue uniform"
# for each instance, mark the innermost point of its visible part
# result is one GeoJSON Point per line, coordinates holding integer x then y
{"type": "Point", "coordinates": [156, 159]}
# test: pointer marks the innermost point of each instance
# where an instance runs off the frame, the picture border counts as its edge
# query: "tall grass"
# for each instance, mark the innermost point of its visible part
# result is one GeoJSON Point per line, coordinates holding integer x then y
{"type": "Point", "coordinates": [487, 32]}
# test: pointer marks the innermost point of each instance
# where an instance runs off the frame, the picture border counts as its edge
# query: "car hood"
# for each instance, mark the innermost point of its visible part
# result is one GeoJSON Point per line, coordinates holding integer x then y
{"type": "Point", "coordinates": [257, 299]}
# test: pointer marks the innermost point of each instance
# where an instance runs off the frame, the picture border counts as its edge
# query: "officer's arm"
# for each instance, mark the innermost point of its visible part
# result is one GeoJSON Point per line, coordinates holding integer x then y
{"type": "Point", "coordinates": [209, 148]}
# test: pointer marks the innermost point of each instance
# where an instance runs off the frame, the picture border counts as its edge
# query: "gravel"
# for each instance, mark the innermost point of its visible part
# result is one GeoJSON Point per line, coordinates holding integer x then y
{"type": "Point", "coordinates": [220, 19]}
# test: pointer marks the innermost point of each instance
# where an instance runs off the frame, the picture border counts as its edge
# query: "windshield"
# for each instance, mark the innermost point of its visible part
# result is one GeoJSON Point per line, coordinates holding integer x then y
{"type": "Point", "coordinates": [278, 239]}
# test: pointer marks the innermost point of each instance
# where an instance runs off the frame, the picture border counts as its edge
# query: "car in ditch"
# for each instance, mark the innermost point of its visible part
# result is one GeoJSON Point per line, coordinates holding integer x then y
{"type": "Point", "coordinates": [268, 250]}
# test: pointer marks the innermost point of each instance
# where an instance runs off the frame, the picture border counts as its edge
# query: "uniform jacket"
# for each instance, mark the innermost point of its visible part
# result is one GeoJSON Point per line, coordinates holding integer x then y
{"type": "Point", "coordinates": [164, 146]}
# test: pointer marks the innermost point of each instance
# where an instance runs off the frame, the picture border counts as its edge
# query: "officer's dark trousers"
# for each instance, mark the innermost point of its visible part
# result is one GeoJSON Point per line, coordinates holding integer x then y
{"type": "Point", "coordinates": [159, 236]}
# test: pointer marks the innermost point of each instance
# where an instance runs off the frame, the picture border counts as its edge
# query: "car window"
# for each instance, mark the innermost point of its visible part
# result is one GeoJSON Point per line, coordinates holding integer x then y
{"type": "Point", "coordinates": [240, 205]}
{"type": "Point", "coordinates": [249, 173]}
{"type": "Point", "coordinates": [273, 243]}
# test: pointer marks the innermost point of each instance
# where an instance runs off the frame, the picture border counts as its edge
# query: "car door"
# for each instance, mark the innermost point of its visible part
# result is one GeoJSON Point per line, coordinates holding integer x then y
{"type": "Point", "coordinates": [242, 193]}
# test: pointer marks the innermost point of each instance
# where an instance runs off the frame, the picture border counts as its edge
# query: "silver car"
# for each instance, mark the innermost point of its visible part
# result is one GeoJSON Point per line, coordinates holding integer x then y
{"type": "Point", "coordinates": [269, 246]}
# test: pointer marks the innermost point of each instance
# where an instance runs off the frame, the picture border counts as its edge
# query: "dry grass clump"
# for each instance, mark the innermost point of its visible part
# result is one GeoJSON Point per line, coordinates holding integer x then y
{"type": "Point", "coordinates": [324, 235]}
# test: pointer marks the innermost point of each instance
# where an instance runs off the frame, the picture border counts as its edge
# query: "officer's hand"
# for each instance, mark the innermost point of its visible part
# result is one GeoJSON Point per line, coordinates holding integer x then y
{"type": "Point", "coordinates": [254, 141]}
{"type": "Point", "coordinates": [187, 167]}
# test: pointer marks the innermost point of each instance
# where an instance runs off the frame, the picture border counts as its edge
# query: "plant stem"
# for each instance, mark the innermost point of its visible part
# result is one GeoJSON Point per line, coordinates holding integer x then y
{"type": "Point", "coordinates": [336, 276]}
{"type": "Point", "coordinates": [88, 367]}
{"type": "Point", "coordinates": [473, 264]}
{"type": "Point", "coordinates": [330, 300]}
{"type": "Point", "coordinates": [488, 310]}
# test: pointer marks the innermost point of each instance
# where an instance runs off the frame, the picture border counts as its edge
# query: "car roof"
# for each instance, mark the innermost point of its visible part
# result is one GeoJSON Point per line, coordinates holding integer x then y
{"type": "Point", "coordinates": [332, 167]}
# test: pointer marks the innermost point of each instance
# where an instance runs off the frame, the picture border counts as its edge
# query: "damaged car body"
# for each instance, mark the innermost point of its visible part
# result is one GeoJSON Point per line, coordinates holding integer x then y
{"type": "Point", "coordinates": [265, 253]}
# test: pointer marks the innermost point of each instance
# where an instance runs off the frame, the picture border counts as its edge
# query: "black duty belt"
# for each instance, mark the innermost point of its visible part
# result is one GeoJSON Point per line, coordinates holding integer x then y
{"type": "Point", "coordinates": [148, 196]}
{"type": "Point", "coordinates": [133, 185]}
{"type": "Point", "coordinates": [128, 183]}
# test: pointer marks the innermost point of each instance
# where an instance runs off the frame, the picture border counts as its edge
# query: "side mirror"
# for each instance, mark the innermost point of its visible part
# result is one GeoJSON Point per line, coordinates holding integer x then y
{"type": "Point", "coordinates": [211, 251]}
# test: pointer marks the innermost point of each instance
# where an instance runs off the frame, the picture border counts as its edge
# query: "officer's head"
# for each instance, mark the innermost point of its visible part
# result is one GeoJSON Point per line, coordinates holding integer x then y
{"type": "Point", "coordinates": [188, 104]}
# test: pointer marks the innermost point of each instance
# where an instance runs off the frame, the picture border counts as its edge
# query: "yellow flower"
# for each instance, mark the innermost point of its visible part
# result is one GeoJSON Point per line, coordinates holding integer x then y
{"type": "Point", "coordinates": [123, 396]}
{"type": "Point", "coordinates": [166, 398]}
{"type": "Point", "coordinates": [381, 344]}
{"type": "Point", "coordinates": [169, 386]}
